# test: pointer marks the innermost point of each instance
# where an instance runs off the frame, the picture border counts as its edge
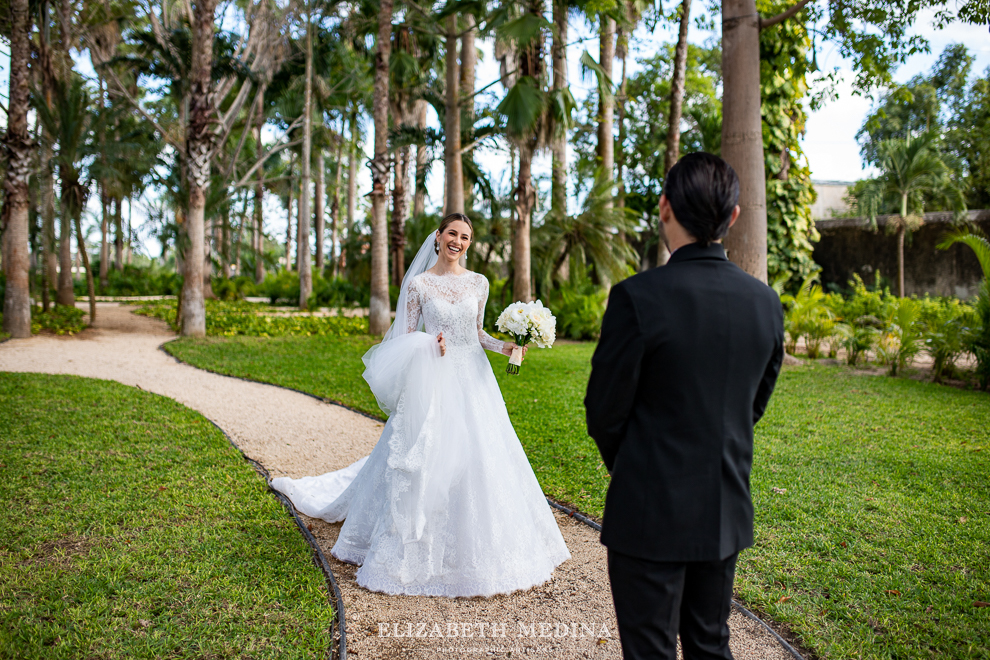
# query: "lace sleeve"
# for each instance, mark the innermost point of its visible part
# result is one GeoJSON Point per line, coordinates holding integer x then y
{"type": "Point", "coordinates": [412, 308]}
{"type": "Point", "coordinates": [488, 342]}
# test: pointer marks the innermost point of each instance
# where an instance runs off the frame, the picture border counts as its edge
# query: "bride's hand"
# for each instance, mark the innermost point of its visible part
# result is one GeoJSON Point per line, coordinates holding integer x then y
{"type": "Point", "coordinates": [507, 348]}
{"type": "Point", "coordinates": [443, 344]}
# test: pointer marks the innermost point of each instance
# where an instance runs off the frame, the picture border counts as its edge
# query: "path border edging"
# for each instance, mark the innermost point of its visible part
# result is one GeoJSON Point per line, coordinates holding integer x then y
{"type": "Point", "coordinates": [572, 513]}
{"type": "Point", "coordinates": [338, 633]}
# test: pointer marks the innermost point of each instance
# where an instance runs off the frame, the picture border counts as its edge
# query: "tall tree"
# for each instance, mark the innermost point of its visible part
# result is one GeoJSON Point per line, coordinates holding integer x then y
{"type": "Point", "coordinates": [558, 143]}
{"type": "Point", "coordinates": [909, 168]}
{"type": "Point", "coordinates": [380, 313]}
{"type": "Point", "coordinates": [303, 253]}
{"type": "Point", "coordinates": [16, 303]}
{"type": "Point", "coordinates": [677, 89]}
{"type": "Point", "coordinates": [606, 102]}
{"type": "Point", "coordinates": [453, 170]}
{"type": "Point", "coordinates": [199, 145]}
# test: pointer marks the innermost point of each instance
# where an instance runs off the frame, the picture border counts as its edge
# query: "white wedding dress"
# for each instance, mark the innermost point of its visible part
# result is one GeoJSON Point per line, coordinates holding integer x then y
{"type": "Point", "coordinates": [446, 504]}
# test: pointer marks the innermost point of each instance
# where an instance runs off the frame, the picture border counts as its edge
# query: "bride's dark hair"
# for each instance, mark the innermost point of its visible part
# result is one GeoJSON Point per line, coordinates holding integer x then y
{"type": "Point", "coordinates": [449, 218]}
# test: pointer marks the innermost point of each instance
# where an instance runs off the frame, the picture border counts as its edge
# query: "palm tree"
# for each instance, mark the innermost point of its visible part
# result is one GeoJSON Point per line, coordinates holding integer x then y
{"type": "Point", "coordinates": [910, 168]}
{"type": "Point", "coordinates": [16, 303]}
{"type": "Point", "coordinates": [70, 121]}
{"type": "Point", "coordinates": [380, 313]}
{"type": "Point", "coordinates": [529, 126]}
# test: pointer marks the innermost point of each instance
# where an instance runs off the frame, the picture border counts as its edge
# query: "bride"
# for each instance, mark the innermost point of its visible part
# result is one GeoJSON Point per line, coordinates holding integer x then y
{"type": "Point", "coordinates": [446, 504]}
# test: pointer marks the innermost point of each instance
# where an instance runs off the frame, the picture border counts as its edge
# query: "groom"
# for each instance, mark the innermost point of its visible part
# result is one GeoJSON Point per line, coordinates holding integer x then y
{"type": "Point", "coordinates": [688, 356]}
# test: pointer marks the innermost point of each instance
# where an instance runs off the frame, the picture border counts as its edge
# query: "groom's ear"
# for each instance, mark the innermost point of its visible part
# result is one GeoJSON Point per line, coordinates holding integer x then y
{"type": "Point", "coordinates": [735, 216]}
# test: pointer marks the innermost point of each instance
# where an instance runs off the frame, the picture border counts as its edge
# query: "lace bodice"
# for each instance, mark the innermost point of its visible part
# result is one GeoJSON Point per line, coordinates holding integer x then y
{"type": "Point", "coordinates": [453, 305]}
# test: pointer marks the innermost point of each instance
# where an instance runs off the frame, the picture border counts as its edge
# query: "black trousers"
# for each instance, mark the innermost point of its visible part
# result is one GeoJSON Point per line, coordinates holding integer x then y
{"type": "Point", "coordinates": [654, 601]}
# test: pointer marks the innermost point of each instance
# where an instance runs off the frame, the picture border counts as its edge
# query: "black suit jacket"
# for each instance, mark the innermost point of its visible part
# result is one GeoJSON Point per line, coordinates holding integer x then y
{"type": "Point", "coordinates": [687, 360]}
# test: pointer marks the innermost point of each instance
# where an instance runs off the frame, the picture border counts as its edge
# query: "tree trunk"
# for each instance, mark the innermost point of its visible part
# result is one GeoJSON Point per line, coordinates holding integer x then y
{"type": "Point", "coordinates": [399, 206]}
{"type": "Point", "coordinates": [259, 216]}
{"type": "Point", "coordinates": [677, 90]}
{"type": "Point", "coordinates": [742, 134]}
{"type": "Point", "coordinates": [90, 287]}
{"type": "Point", "coordinates": [380, 313]}
{"type": "Point", "coordinates": [303, 253]}
{"type": "Point", "coordinates": [352, 160]}
{"type": "Point", "coordinates": [17, 297]}
{"type": "Point", "coordinates": [620, 150]}
{"type": "Point", "coordinates": [50, 261]}
{"type": "Point", "coordinates": [606, 107]}
{"type": "Point", "coordinates": [198, 147]}
{"type": "Point", "coordinates": [118, 241]}
{"type": "Point", "coordinates": [901, 231]}
{"type": "Point", "coordinates": [454, 197]}
{"type": "Point", "coordinates": [319, 211]}
{"type": "Point", "coordinates": [558, 144]}
{"type": "Point", "coordinates": [335, 206]}
{"type": "Point", "coordinates": [288, 221]}
{"type": "Point", "coordinates": [65, 295]}
{"type": "Point", "coordinates": [225, 241]}
{"type": "Point", "coordinates": [522, 290]}
{"type": "Point", "coordinates": [104, 240]}
{"type": "Point", "coordinates": [419, 199]}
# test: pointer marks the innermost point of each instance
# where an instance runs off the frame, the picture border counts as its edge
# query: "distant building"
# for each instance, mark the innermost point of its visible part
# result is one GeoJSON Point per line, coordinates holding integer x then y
{"type": "Point", "coordinates": [830, 202]}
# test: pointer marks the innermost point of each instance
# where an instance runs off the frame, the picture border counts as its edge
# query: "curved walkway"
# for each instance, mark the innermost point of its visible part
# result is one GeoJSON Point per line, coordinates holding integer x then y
{"type": "Point", "coordinates": [292, 434]}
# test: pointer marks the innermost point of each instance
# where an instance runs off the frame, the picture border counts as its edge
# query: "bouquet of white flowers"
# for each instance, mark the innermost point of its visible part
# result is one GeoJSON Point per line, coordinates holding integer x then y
{"type": "Point", "coordinates": [527, 322]}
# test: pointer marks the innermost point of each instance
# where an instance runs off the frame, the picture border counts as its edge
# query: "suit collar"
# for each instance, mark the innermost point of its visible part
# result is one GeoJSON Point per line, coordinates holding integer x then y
{"type": "Point", "coordinates": [693, 251]}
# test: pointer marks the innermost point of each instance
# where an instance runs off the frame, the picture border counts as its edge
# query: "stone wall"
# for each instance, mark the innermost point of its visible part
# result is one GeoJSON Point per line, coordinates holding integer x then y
{"type": "Point", "coordinates": [848, 247]}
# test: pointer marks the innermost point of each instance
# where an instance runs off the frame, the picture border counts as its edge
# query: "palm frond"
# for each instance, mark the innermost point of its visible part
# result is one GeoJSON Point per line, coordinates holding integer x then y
{"type": "Point", "coordinates": [978, 243]}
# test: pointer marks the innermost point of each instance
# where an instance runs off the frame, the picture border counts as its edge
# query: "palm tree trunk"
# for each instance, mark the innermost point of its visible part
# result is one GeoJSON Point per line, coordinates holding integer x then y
{"type": "Point", "coordinates": [380, 312]}
{"type": "Point", "coordinates": [335, 207]}
{"type": "Point", "coordinates": [419, 199]}
{"type": "Point", "coordinates": [198, 147]}
{"type": "Point", "coordinates": [104, 240]}
{"type": "Point", "coordinates": [558, 145]}
{"type": "Point", "coordinates": [118, 241]}
{"type": "Point", "coordinates": [319, 211]}
{"type": "Point", "coordinates": [400, 205]}
{"type": "Point", "coordinates": [454, 198]}
{"type": "Point", "coordinates": [90, 287]}
{"type": "Point", "coordinates": [606, 106]}
{"type": "Point", "coordinates": [65, 295]}
{"type": "Point", "coordinates": [901, 231]}
{"type": "Point", "coordinates": [259, 195]}
{"type": "Point", "coordinates": [352, 160]}
{"type": "Point", "coordinates": [288, 219]}
{"type": "Point", "coordinates": [17, 297]}
{"type": "Point", "coordinates": [50, 265]}
{"type": "Point", "coordinates": [677, 90]}
{"type": "Point", "coordinates": [742, 134]}
{"type": "Point", "coordinates": [303, 254]}
{"type": "Point", "coordinates": [522, 289]}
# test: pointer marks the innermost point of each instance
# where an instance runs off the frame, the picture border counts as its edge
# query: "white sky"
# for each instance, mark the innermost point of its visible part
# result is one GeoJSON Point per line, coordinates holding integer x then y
{"type": "Point", "coordinates": [830, 142]}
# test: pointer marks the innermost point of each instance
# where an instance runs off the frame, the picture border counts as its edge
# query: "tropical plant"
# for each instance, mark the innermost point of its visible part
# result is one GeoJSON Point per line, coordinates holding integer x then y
{"type": "Point", "coordinates": [901, 338]}
{"type": "Point", "coordinates": [857, 339]}
{"type": "Point", "coordinates": [946, 324]}
{"type": "Point", "coordinates": [910, 169]}
{"type": "Point", "coordinates": [579, 307]}
{"type": "Point", "coordinates": [807, 316]}
{"type": "Point", "coordinates": [977, 339]}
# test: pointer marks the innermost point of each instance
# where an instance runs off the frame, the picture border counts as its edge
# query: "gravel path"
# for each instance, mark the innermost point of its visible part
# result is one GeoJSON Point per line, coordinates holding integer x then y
{"type": "Point", "coordinates": [294, 435]}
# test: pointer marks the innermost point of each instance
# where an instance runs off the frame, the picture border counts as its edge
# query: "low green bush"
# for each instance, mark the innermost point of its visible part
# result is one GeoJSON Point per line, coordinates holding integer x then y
{"type": "Point", "coordinates": [231, 319]}
{"type": "Point", "coordinates": [153, 280]}
{"type": "Point", "coordinates": [579, 307]}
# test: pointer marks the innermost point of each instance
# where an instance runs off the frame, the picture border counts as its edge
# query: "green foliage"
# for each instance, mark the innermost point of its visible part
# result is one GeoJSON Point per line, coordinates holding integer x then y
{"type": "Point", "coordinates": [60, 319]}
{"type": "Point", "coordinates": [784, 67]}
{"type": "Point", "coordinates": [946, 324]}
{"type": "Point", "coordinates": [977, 337]}
{"type": "Point", "coordinates": [579, 307]}
{"type": "Point", "coordinates": [231, 319]}
{"type": "Point", "coordinates": [807, 316]}
{"type": "Point", "coordinates": [856, 339]}
{"type": "Point", "coordinates": [153, 280]}
{"type": "Point", "coordinates": [901, 336]}
{"type": "Point", "coordinates": [904, 462]}
{"type": "Point", "coordinates": [135, 530]}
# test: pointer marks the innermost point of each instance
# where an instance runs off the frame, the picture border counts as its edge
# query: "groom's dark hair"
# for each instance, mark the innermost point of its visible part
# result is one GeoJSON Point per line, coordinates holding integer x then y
{"type": "Point", "coordinates": [702, 190]}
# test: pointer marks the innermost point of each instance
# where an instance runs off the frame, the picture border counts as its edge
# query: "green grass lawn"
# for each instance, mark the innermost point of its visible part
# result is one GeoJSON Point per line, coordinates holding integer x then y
{"type": "Point", "coordinates": [872, 493]}
{"type": "Point", "coordinates": [133, 529]}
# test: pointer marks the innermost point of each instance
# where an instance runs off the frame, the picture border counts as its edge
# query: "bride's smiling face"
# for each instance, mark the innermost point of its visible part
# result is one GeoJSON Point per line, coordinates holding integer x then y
{"type": "Point", "coordinates": [454, 240]}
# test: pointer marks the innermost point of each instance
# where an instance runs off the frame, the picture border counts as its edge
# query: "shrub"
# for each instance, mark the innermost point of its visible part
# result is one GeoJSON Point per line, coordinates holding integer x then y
{"type": "Point", "coordinates": [977, 338]}
{"type": "Point", "coordinates": [579, 307]}
{"type": "Point", "coordinates": [945, 324]}
{"type": "Point", "coordinates": [807, 316]}
{"type": "Point", "coordinates": [856, 338]}
{"type": "Point", "coordinates": [59, 319]}
{"type": "Point", "coordinates": [901, 338]}
{"type": "Point", "coordinates": [230, 319]}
